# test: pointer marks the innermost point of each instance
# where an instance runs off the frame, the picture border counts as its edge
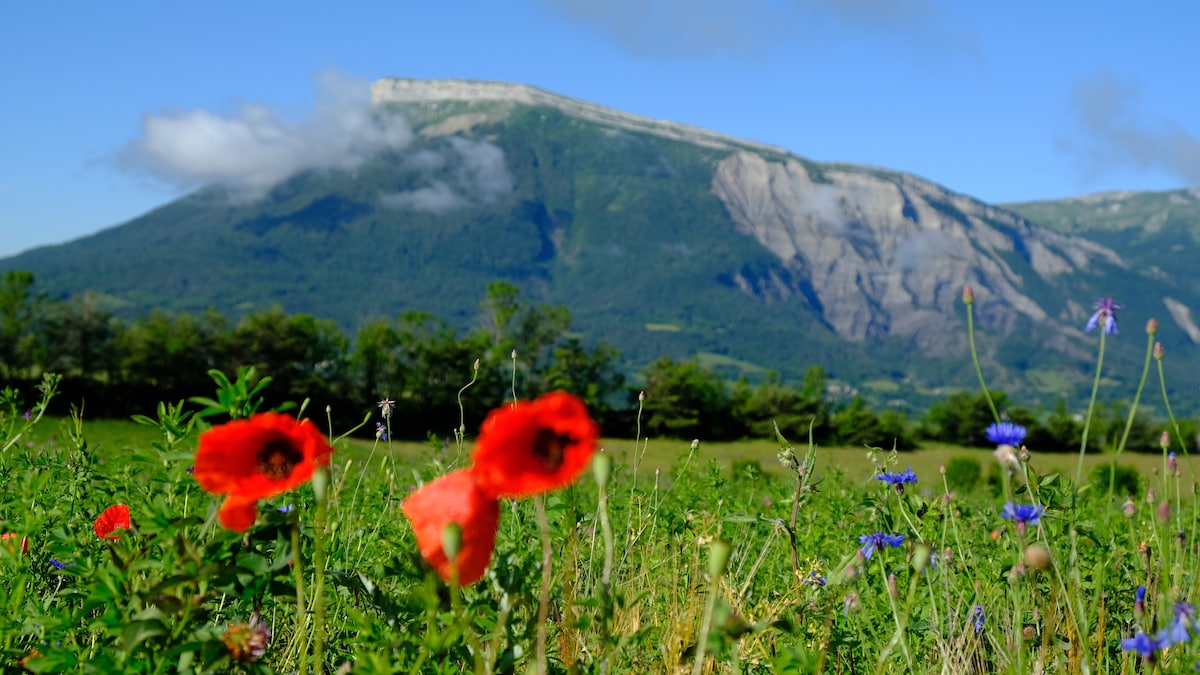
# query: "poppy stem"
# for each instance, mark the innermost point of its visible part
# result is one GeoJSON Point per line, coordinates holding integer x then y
{"type": "Point", "coordinates": [301, 610]}
{"type": "Point", "coordinates": [321, 480]}
{"type": "Point", "coordinates": [544, 596]}
{"type": "Point", "coordinates": [1137, 397]}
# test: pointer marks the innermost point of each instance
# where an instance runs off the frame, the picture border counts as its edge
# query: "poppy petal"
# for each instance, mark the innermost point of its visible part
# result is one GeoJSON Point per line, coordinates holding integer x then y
{"type": "Point", "coordinates": [239, 514]}
{"type": "Point", "coordinates": [262, 456]}
{"type": "Point", "coordinates": [534, 447]}
{"type": "Point", "coordinates": [454, 498]}
{"type": "Point", "coordinates": [12, 547]}
{"type": "Point", "coordinates": [115, 517]}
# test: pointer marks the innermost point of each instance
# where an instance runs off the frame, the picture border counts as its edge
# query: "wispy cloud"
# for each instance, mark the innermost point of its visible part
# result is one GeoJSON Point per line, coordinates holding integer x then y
{"type": "Point", "coordinates": [256, 147]}
{"type": "Point", "coordinates": [686, 28]}
{"type": "Point", "coordinates": [466, 172]}
{"type": "Point", "coordinates": [1119, 136]}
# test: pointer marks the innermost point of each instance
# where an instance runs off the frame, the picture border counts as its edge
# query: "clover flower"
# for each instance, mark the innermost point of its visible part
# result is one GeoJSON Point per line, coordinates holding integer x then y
{"type": "Point", "coordinates": [1005, 433]}
{"type": "Point", "coordinates": [876, 540]}
{"type": "Point", "coordinates": [247, 642]}
{"type": "Point", "coordinates": [1105, 316]}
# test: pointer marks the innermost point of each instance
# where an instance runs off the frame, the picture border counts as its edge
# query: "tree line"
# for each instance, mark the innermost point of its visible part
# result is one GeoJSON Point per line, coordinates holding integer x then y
{"type": "Point", "coordinates": [115, 367]}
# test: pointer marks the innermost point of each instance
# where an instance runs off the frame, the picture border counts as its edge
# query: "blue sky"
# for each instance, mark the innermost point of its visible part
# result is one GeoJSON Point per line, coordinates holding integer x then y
{"type": "Point", "coordinates": [1002, 101]}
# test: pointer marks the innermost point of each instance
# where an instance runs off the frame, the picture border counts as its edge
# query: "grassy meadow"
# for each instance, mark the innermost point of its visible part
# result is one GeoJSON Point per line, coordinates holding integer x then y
{"type": "Point", "coordinates": [214, 536]}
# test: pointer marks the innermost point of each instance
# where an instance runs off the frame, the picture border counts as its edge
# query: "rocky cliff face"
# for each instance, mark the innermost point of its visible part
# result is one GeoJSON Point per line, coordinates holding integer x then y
{"type": "Point", "coordinates": [885, 253]}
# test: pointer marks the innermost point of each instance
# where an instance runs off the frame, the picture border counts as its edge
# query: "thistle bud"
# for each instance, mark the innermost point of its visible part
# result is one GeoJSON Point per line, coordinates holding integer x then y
{"type": "Point", "coordinates": [968, 295]}
{"type": "Point", "coordinates": [601, 468]}
{"type": "Point", "coordinates": [892, 588]}
{"type": "Point", "coordinates": [1172, 463]}
{"type": "Point", "coordinates": [1129, 508]}
{"type": "Point", "coordinates": [1152, 327]}
{"type": "Point", "coordinates": [922, 556]}
{"type": "Point", "coordinates": [1158, 351]}
{"type": "Point", "coordinates": [452, 541]}
{"type": "Point", "coordinates": [695, 444]}
{"type": "Point", "coordinates": [1164, 440]}
{"type": "Point", "coordinates": [1037, 557]}
{"type": "Point", "coordinates": [1164, 511]}
{"type": "Point", "coordinates": [718, 557]}
{"type": "Point", "coordinates": [514, 355]}
{"type": "Point", "coordinates": [641, 396]}
{"type": "Point", "coordinates": [476, 367]}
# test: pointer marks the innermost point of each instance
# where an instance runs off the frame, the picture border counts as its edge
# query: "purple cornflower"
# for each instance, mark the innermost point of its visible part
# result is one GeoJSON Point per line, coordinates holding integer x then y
{"type": "Point", "coordinates": [1105, 316]}
{"type": "Point", "coordinates": [897, 479]}
{"type": "Point", "coordinates": [1177, 631]}
{"type": "Point", "coordinates": [1142, 644]}
{"type": "Point", "coordinates": [876, 540]}
{"type": "Point", "coordinates": [1022, 514]}
{"type": "Point", "coordinates": [980, 619]}
{"type": "Point", "coordinates": [1005, 433]}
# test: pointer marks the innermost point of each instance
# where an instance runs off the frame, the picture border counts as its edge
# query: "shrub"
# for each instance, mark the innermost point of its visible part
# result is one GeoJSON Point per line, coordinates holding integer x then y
{"type": "Point", "coordinates": [1125, 479]}
{"type": "Point", "coordinates": [963, 473]}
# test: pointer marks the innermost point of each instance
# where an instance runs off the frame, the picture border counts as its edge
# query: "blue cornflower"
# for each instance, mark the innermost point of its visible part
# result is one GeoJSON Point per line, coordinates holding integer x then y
{"type": "Point", "coordinates": [876, 540]}
{"type": "Point", "coordinates": [897, 479]}
{"type": "Point", "coordinates": [1022, 513]}
{"type": "Point", "coordinates": [57, 565]}
{"type": "Point", "coordinates": [1177, 631]}
{"type": "Point", "coordinates": [1005, 433]}
{"type": "Point", "coordinates": [1106, 313]}
{"type": "Point", "coordinates": [813, 579]}
{"type": "Point", "coordinates": [286, 508]}
{"type": "Point", "coordinates": [380, 431]}
{"type": "Point", "coordinates": [1139, 600]}
{"type": "Point", "coordinates": [980, 619]}
{"type": "Point", "coordinates": [1142, 644]}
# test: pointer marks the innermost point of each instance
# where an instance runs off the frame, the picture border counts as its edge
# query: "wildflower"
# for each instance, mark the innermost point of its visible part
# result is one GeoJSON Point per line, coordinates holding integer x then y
{"type": "Point", "coordinates": [1038, 557]}
{"type": "Point", "coordinates": [257, 458]}
{"type": "Point", "coordinates": [1006, 456]}
{"type": "Point", "coordinates": [1022, 513]}
{"type": "Point", "coordinates": [11, 543]}
{"type": "Point", "coordinates": [380, 432]}
{"type": "Point", "coordinates": [247, 642]}
{"type": "Point", "coordinates": [386, 405]}
{"type": "Point", "coordinates": [1159, 352]}
{"type": "Point", "coordinates": [851, 604]}
{"type": "Point", "coordinates": [897, 479]}
{"type": "Point", "coordinates": [286, 508]}
{"type": "Point", "coordinates": [1105, 316]}
{"type": "Point", "coordinates": [1005, 433]}
{"type": "Point", "coordinates": [876, 540]}
{"type": "Point", "coordinates": [58, 565]}
{"type": "Point", "coordinates": [1139, 600]}
{"type": "Point", "coordinates": [28, 415]}
{"type": "Point", "coordinates": [1177, 631]}
{"type": "Point", "coordinates": [115, 517]}
{"type": "Point", "coordinates": [455, 498]}
{"type": "Point", "coordinates": [980, 619]}
{"type": "Point", "coordinates": [1172, 462]}
{"type": "Point", "coordinates": [533, 447]}
{"type": "Point", "coordinates": [968, 295]}
{"type": "Point", "coordinates": [1152, 326]}
{"type": "Point", "coordinates": [1142, 644]}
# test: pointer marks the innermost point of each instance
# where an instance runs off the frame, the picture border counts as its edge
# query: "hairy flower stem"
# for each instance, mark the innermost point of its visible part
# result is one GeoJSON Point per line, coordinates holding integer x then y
{"type": "Point", "coordinates": [544, 596]}
{"type": "Point", "coordinates": [718, 559]}
{"type": "Point", "coordinates": [321, 485]}
{"type": "Point", "coordinates": [975, 359]}
{"type": "Point", "coordinates": [301, 609]}
{"type": "Point", "coordinates": [898, 637]}
{"type": "Point", "coordinates": [606, 609]}
{"type": "Point", "coordinates": [1112, 475]}
{"type": "Point", "coordinates": [461, 432]}
{"type": "Point", "coordinates": [1087, 421]}
{"type": "Point", "coordinates": [1162, 381]}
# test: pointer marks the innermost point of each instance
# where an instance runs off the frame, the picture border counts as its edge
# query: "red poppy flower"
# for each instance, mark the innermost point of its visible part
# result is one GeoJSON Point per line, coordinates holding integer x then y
{"type": "Point", "coordinates": [454, 498]}
{"type": "Point", "coordinates": [115, 517]}
{"type": "Point", "coordinates": [256, 458]}
{"type": "Point", "coordinates": [534, 447]}
{"type": "Point", "coordinates": [12, 545]}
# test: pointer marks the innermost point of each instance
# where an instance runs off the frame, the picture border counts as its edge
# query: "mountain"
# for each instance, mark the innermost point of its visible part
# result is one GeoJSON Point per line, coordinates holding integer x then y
{"type": "Point", "coordinates": [661, 238]}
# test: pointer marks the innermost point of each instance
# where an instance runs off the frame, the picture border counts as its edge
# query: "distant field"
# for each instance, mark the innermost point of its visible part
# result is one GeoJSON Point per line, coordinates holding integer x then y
{"type": "Point", "coordinates": [853, 463]}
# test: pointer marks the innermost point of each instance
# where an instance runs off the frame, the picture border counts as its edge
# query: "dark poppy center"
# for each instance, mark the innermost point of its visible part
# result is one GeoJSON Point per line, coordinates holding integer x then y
{"type": "Point", "coordinates": [548, 449]}
{"type": "Point", "coordinates": [277, 459]}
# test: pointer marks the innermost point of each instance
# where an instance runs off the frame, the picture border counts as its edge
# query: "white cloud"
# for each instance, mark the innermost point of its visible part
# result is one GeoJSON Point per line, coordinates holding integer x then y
{"type": "Point", "coordinates": [471, 172]}
{"type": "Point", "coordinates": [255, 148]}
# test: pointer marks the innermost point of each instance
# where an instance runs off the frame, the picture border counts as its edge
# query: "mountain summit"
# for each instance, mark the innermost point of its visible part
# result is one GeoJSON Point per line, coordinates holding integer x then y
{"type": "Point", "coordinates": [664, 239]}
